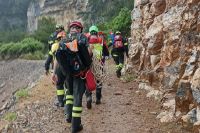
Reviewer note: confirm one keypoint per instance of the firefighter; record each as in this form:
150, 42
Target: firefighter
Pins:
118, 52
60, 76
52, 39
74, 58
100, 51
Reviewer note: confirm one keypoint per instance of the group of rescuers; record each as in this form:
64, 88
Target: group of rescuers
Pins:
72, 55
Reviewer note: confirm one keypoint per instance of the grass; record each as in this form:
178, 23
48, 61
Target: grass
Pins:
128, 77
10, 116
22, 93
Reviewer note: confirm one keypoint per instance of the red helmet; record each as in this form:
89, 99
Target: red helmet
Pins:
77, 23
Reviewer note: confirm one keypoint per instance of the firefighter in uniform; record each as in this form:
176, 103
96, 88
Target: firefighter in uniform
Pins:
100, 51
74, 58
118, 52
60, 76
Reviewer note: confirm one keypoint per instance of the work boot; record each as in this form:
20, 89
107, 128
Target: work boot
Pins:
78, 129
98, 95
76, 125
98, 101
118, 72
68, 113
89, 102
68, 118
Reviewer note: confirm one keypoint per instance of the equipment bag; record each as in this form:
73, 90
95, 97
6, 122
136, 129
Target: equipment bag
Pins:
74, 57
90, 81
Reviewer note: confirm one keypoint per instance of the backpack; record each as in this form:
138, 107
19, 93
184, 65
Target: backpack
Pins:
118, 41
97, 46
73, 56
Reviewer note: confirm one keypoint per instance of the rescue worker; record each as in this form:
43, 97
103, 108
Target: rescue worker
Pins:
52, 39
118, 52
60, 76
100, 50
74, 58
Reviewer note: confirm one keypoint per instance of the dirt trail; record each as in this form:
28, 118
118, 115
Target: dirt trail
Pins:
124, 109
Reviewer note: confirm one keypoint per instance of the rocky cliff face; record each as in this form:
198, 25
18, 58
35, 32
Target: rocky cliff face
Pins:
165, 52
13, 14
63, 11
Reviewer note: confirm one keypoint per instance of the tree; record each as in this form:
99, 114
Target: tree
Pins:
46, 26
123, 21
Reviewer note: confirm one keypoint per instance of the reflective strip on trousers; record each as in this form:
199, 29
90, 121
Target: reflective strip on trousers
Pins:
76, 114
76, 111
60, 92
77, 108
69, 99
68, 102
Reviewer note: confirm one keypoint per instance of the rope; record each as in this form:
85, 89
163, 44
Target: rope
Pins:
99, 70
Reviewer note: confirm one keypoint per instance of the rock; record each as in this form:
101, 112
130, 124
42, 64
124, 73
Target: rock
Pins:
195, 85
166, 116
183, 97
153, 113
117, 93
63, 11
165, 53
158, 7
189, 118
155, 59
190, 67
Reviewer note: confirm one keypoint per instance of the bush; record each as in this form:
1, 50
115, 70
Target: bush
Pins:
26, 46
121, 23
30, 45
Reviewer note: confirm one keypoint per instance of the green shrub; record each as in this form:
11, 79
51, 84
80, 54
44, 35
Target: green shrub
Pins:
10, 116
122, 23
5, 49
27, 46
30, 45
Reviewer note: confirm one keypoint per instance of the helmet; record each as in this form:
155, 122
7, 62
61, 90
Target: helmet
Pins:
62, 27
94, 29
117, 32
58, 26
61, 35
76, 23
